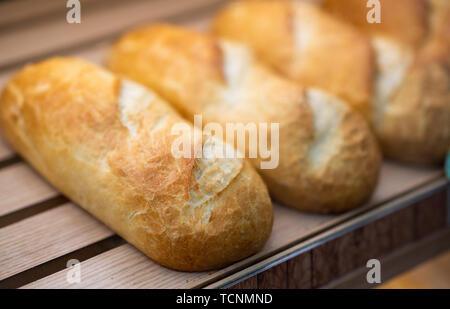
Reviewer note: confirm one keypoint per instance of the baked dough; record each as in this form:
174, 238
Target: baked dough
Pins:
328, 157
105, 142
304, 43
412, 80
398, 69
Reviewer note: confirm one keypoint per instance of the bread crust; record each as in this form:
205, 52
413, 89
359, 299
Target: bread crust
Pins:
413, 120
328, 158
406, 99
106, 144
299, 40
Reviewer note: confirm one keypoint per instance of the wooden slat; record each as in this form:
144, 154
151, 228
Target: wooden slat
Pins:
122, 267
5, 150
46, 236
22, 10
283, 217
25, 43
20, 186
290, 226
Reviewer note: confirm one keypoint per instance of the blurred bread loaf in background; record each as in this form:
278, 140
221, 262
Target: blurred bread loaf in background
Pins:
412, 75
328, 158
396, 73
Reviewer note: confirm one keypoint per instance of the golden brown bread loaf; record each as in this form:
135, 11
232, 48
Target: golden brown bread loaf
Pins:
407, 88
106, 142
412, 80
328, 158
305, 44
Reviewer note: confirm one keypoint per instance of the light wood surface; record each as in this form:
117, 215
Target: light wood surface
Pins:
290, 227
46, 236
23, 10
20, 186
27, 43
122, 267
5, 150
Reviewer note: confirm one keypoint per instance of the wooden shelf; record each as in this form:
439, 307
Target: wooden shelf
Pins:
41, 230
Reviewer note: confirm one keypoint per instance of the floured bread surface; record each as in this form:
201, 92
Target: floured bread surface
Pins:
393, 61
328, 159
106, 143
304, 43
327, 116
343, 155
411, 110
412, 100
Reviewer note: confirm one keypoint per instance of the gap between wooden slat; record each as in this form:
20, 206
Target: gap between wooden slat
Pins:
47, 236
31, 210
60, 263
121, 267
10, 161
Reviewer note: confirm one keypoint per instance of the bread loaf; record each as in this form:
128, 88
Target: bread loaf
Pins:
402, 71
304, 43
328, 158
412, 80
105, 142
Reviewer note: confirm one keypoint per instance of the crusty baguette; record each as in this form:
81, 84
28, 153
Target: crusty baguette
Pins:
412, 100
106, 143
409, 106
328, 158
412, 81
304, 43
